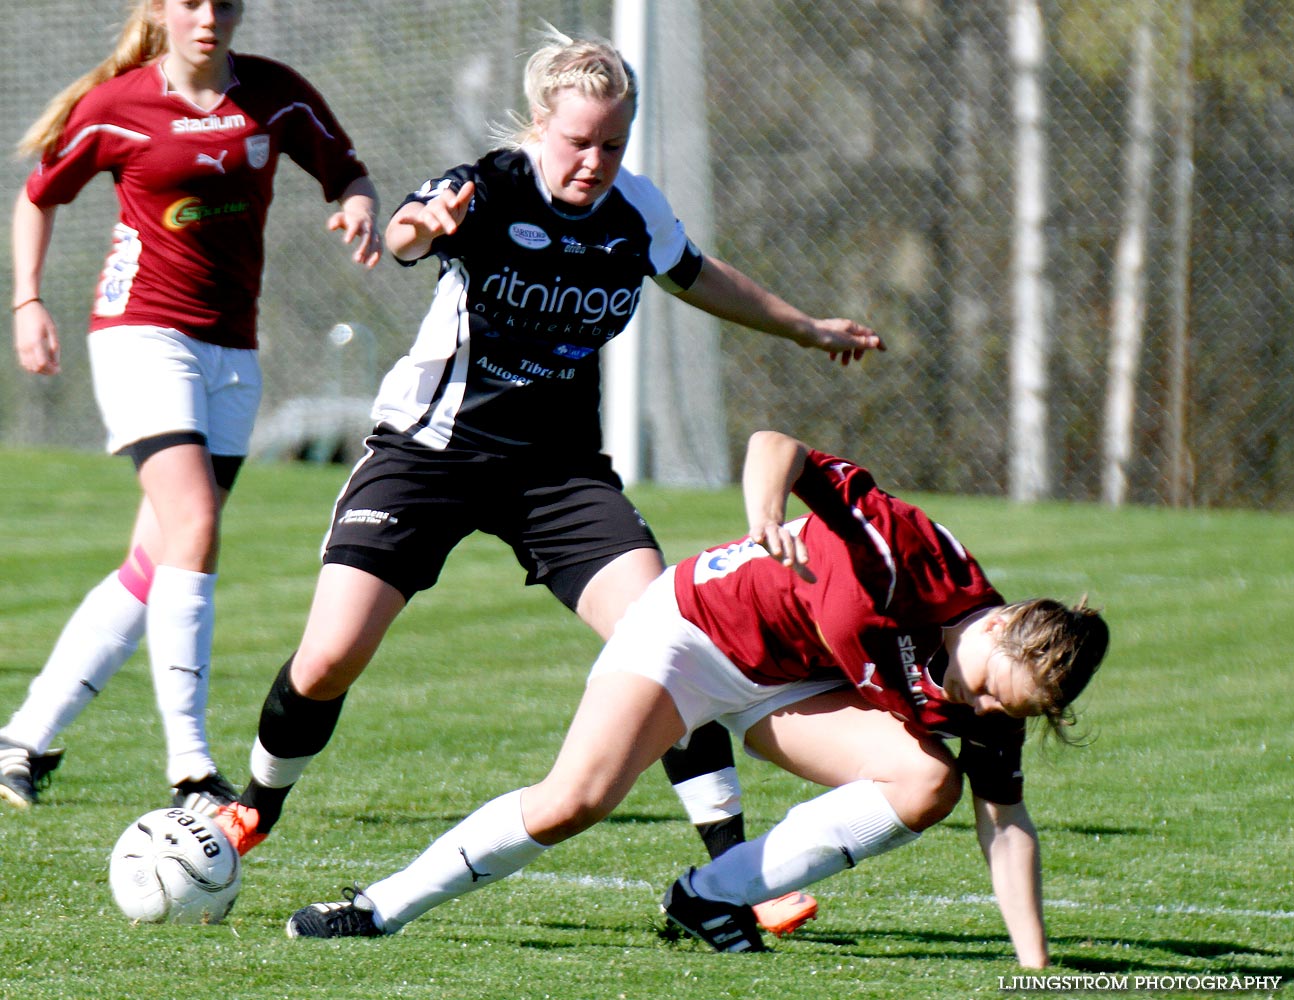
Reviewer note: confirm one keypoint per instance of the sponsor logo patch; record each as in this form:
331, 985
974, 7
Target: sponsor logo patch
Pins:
211, 123
258, 151
364, 515
188, 211
529, 236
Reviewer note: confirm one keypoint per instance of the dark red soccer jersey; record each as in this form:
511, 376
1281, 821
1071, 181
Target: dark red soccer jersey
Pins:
888, 579
194, 188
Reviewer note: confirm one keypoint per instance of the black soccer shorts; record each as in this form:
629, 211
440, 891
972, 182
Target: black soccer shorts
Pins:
406, 506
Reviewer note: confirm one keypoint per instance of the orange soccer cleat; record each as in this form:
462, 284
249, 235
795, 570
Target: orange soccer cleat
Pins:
785, 914
238, 823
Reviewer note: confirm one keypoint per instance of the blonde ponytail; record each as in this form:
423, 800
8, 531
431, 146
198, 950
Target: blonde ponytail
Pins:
142, 39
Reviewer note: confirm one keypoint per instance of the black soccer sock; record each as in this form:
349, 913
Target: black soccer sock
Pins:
291, 725
268, 803
708, 751
722, 835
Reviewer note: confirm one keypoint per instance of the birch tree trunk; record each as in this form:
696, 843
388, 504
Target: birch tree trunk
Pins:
1128, 313
1180, 473
1030, 477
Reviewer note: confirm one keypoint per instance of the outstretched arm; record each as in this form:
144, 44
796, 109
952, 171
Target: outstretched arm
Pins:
723, 291
415, 224
35, 337
774, 462
358, 219
1010, 845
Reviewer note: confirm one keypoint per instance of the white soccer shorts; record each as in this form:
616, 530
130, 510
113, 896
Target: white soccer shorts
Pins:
654, 641
151, 380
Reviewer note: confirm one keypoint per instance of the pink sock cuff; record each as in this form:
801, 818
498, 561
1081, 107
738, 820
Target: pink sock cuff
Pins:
136, 574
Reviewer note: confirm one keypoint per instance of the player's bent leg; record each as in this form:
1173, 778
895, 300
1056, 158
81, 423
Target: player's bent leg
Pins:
351, 613
349, 617
834, 739
622, 726
293, 729
815, 840
485, 847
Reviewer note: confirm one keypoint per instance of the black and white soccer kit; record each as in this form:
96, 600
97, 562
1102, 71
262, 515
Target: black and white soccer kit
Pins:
491, 421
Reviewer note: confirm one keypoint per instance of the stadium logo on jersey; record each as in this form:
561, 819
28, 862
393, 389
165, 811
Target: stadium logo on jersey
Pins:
912, 669
531, 237
212, 123
189, 211
258, 151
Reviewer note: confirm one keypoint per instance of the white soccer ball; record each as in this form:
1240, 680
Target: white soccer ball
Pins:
174, 866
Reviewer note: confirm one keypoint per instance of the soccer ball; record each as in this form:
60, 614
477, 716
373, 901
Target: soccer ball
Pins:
174, 866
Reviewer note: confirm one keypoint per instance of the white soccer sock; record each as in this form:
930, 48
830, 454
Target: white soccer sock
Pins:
817, 838
276, 772
488, 845
709, 798
100, 636
181, 620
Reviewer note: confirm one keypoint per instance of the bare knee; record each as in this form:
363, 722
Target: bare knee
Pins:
925, 791
323, 674
193, 540
936, 787
553, 814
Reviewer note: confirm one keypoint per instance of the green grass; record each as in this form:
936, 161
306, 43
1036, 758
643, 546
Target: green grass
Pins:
1167, 839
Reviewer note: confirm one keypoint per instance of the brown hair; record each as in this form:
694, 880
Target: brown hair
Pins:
1061, 646
142, 38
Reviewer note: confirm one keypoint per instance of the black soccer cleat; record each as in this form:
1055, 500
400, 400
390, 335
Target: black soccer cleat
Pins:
723, 926
43, 765
204, 796
352, 917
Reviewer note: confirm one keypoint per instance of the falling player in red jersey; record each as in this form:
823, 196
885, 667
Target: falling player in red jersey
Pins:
844, 646
191, 134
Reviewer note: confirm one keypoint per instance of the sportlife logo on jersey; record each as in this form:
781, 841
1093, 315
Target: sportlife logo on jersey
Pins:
588, 305
211, 123
189, 211
911, 669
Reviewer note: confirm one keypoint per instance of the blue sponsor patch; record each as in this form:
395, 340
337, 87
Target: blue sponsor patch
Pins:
572, 351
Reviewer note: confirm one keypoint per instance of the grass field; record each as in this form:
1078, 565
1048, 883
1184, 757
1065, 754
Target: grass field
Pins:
1168, 840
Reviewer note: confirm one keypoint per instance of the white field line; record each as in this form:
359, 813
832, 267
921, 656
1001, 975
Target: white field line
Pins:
943, 902
617, 884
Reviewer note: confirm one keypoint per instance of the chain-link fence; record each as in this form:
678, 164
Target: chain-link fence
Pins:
1072, 222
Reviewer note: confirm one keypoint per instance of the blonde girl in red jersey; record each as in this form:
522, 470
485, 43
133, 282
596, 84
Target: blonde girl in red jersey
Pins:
191, 133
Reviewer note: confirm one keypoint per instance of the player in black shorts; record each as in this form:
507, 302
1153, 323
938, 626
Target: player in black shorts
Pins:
491, 421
